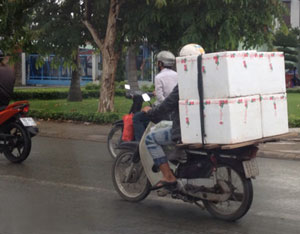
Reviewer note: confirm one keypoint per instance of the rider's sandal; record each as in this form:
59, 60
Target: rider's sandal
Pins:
164, 184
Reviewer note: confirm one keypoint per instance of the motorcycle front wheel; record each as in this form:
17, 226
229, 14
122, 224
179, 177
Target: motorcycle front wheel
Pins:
241, 195
19, 145
129, 178
113, 140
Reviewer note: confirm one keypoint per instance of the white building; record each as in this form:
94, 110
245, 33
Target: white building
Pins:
293, 19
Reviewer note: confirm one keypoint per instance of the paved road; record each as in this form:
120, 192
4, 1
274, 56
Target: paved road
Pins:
65, 187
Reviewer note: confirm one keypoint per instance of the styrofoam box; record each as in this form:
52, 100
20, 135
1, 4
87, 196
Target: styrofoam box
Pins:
274, 114
227, 121
271, 72
231, 74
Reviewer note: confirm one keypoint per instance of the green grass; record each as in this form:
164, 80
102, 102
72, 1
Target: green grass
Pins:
90, 105
294, 105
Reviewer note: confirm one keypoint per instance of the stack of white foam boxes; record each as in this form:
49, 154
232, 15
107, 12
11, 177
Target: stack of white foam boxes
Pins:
244, 96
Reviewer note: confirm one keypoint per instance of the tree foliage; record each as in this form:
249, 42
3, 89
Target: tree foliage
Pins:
288, 43
14, 30
215, 24
59, 31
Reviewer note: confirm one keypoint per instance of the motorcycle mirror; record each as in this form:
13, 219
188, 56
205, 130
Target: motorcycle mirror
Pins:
146, 97
127, 86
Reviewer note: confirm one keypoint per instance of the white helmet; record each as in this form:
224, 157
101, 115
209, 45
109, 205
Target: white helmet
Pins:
166, 57
191, 49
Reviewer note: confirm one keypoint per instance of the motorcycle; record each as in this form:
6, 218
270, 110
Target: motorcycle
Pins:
16, 131
214, 179
114, 138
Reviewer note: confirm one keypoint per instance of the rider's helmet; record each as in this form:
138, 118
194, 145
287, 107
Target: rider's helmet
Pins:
167, 58
191, 49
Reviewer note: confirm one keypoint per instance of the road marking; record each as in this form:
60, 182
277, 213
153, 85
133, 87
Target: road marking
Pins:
51, 183
152, 196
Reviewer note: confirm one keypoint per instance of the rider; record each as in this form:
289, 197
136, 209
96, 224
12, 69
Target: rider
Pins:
169, 135
7, 80
165, 81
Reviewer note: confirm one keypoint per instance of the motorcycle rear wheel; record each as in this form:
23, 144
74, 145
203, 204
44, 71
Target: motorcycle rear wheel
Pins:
114, 139
240, 200
20, 145
129, 178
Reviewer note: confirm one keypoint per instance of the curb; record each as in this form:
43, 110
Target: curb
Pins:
277, 155
95, 138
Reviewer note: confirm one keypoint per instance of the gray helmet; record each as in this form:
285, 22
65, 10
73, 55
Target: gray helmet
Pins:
166, 57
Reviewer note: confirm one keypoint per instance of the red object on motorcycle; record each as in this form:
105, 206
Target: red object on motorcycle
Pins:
13, 109
26, 109
128, 133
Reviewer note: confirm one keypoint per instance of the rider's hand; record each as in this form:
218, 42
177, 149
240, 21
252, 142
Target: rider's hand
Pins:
146, 109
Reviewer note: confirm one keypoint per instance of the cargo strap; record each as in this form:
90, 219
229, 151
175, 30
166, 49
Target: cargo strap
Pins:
201, 97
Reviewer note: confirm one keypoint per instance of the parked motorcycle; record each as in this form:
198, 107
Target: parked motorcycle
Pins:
215, 179
16, 131
114, 137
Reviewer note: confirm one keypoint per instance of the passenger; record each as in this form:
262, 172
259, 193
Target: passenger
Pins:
165, 81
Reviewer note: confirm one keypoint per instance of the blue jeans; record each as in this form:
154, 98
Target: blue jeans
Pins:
154, 141
140, 123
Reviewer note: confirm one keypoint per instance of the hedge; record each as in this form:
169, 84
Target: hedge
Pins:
100, 118
50, 94
294, 122
293, 90
104, 118
45, 94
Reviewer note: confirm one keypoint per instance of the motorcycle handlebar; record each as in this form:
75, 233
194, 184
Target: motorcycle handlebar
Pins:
132, 94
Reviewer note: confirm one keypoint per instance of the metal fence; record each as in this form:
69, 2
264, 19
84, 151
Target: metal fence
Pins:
48, 75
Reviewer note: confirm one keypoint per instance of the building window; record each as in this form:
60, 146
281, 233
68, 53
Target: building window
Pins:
287, 18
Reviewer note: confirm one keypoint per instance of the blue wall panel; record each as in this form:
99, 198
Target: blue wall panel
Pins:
48, 75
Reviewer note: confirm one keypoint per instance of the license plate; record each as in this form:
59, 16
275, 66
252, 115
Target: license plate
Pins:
251, 168
28, 121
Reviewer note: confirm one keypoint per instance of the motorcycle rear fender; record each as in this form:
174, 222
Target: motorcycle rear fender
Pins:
236, 164
32, 131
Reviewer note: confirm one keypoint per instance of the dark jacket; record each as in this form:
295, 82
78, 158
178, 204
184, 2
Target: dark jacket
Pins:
7, 81
168, 106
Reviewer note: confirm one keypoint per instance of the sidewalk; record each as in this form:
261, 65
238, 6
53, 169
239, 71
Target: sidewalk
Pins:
286, 149
71, 130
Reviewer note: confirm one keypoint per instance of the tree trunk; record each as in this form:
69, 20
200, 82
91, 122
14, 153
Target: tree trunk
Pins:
132, 69
18, 70
75, 94
110, 56
107, 91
